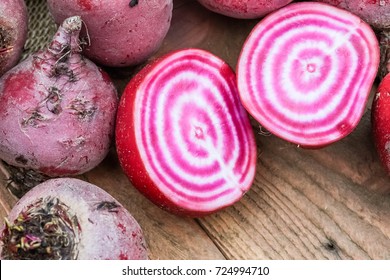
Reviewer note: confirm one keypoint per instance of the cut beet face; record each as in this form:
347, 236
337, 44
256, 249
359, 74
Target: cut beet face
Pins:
305, 72
183, 137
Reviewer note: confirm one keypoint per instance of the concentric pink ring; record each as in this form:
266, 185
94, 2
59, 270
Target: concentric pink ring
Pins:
305, 72
193, 133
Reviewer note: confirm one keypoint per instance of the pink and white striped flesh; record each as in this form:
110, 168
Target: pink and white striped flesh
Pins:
305, 72
183, 137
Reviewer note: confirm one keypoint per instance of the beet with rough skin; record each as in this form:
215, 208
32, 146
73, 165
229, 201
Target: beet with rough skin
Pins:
70, 219
13, 32
57, 109
121, 32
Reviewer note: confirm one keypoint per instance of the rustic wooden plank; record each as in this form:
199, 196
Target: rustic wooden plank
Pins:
331, 203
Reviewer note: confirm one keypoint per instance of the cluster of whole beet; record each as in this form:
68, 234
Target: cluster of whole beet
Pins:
305, 73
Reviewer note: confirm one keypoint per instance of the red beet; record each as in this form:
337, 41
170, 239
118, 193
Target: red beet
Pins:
306, 71
183, 137
13, 32
121, 32
70, 219
57, 109
380, 116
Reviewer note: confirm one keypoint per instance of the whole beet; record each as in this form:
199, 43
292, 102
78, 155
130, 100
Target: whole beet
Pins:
13, 32
121, 32
57, 109
68, 218
380, 117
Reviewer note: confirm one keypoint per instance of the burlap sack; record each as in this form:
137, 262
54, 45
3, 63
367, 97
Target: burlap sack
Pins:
41, 27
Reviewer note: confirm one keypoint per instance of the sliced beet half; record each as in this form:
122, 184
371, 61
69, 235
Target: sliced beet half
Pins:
183, 137
305, 72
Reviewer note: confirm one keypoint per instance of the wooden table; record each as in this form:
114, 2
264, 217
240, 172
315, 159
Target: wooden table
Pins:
331, 203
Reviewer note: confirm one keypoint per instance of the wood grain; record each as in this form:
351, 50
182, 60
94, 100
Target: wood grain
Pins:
330, 203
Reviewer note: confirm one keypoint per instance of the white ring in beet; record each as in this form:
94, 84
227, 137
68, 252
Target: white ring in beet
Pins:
183, 137
305, 72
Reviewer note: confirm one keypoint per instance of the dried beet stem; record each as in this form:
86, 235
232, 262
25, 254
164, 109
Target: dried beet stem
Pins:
66, 40
45, 230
